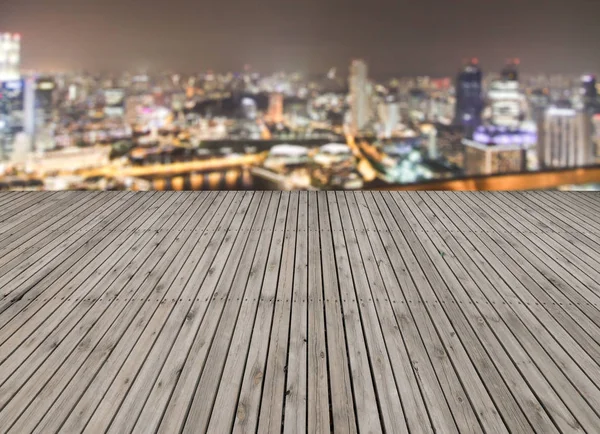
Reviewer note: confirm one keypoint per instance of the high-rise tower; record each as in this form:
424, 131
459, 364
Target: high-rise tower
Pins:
359, 94
469, 100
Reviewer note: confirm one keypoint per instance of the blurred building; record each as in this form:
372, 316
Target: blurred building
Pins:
507, 103
469, 100
500, 149
114, 102
276, 107
45, 90
359, 94
589, 94
389, 115
11, 114
10, 56
565, 138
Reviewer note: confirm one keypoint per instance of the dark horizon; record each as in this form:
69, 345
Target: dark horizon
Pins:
429, 38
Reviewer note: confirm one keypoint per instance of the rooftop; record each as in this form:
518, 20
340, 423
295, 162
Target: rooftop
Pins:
302, 312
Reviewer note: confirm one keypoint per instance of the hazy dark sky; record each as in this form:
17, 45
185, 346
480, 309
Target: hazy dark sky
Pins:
394, 36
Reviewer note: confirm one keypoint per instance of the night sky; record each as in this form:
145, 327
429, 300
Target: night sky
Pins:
394, 36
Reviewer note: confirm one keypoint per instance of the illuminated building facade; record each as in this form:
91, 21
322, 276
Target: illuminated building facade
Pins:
389, 115
469, 101
12, 120
359, 94
589, 94
10, 56
566, 140
276, 108
499, 149
114, 102
507, 103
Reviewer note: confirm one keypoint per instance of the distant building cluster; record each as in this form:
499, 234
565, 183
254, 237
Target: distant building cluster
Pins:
294, 130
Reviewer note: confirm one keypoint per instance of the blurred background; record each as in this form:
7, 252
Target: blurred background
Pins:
69, 121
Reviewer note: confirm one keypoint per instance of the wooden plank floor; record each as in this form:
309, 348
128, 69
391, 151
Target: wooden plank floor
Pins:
412, 312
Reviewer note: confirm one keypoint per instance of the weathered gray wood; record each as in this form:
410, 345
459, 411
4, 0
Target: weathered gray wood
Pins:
296, 394
382, 284
180, 373
299, 312
465, 296
510, 290
224, 410
79, 398
540, 290
367, 412
245, 290
342, 407
391, 411
56, 283
104, 329
267, 407
211, 213
198, 288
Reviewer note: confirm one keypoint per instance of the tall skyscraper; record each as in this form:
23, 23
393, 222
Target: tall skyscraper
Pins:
566, 140
389, 115
589, 94
29, 119
359, 94
507, 103
469, 100
276, 107
10, 56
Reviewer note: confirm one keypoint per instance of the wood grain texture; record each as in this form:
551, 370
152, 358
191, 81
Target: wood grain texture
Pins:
294, 312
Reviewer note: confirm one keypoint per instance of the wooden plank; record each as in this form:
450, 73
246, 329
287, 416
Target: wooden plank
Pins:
342, 399
544, 292
318, 379
158, 335
589, 199
242, 300
574, 241
489, 395
8, 197
267, 409
65, 342
463, 294
9, 201
512, 290
365, 401
27, 206
79, 400
224, 410
576, 200
296, 393
489, 316
448, 404
223, 253
31, 239
373, 253
568, 206
175, 386
559, 211
388, 397
57, 322
54, 220
43, 260
561, 258
56, 283
104, 336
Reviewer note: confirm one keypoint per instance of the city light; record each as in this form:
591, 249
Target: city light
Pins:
290, 130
